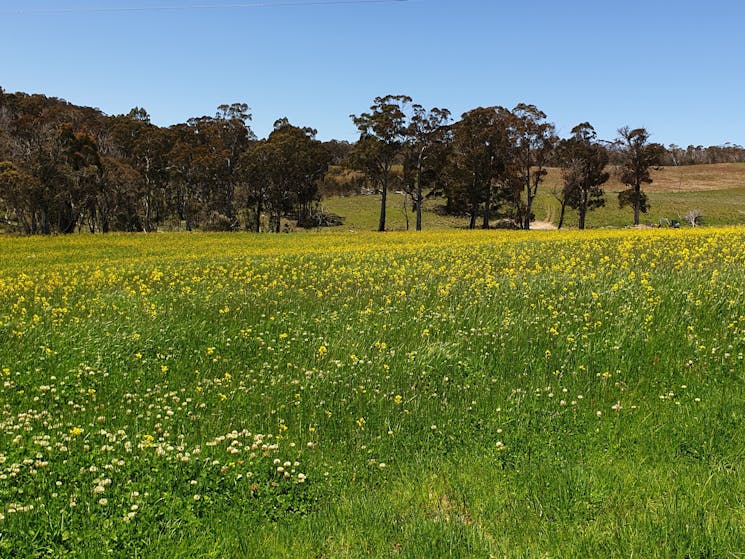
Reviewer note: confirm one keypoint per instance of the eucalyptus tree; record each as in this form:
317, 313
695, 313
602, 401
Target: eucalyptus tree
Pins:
583, 161
428, 136
18, 192
235, 135
534, 140
120, 202
298, 161
84, 189
280, 174
145, 147
40, 132
479, 162
255, 167
191, 173
382, 133
210, 172
638, 156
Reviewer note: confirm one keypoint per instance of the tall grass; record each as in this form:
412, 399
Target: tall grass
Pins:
719, 208
459, 394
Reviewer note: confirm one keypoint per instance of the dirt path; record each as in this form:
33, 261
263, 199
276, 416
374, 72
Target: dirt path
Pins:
542, 225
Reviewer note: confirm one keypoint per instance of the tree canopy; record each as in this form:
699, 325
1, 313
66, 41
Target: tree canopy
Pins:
584, 162
637, 158
64, 168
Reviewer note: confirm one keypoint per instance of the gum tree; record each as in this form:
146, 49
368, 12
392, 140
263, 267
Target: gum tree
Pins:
583, 162
427, 139
382, 133
638, 157
535, 139
480, 162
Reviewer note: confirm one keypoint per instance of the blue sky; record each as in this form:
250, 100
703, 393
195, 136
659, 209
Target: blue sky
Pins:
677, 68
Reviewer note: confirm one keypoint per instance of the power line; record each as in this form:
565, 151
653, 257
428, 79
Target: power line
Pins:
221, 6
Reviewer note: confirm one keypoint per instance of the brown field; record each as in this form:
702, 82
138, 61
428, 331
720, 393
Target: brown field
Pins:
687, 178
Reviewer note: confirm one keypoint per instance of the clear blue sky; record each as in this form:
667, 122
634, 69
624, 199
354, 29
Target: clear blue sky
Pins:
677, 68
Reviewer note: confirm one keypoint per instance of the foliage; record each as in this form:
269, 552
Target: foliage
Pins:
341, 181
499, 158
75, 167
697, 155
583, 170
534, 141
425, 151
382, 133
637, 157
281, 174
68, 168
479, 180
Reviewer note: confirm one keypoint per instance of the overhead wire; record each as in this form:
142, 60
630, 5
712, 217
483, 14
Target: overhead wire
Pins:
184, 7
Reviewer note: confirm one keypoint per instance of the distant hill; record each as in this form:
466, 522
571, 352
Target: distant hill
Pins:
684, 178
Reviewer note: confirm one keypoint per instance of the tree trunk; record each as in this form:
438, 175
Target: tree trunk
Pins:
529, 195
148, 212
528, 208
259, 209
637, 203
582, 208
418, 204
229, 194
68, 218
472, 218
21, 219
418, 201
44, 226
383, 199
561, 215
406, 211
148, 193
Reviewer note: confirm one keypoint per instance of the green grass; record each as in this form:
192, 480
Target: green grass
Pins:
720, 207
448, 394
716, 190
362, 213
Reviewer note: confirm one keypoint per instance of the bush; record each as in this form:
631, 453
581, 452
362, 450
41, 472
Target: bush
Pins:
320, 219
694, 217
216, 221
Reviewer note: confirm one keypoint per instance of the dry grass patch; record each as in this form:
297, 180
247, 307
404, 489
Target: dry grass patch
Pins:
686, 178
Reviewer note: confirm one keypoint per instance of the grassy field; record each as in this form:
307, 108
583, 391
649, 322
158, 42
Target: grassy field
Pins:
447, 394
716, 190
686, 178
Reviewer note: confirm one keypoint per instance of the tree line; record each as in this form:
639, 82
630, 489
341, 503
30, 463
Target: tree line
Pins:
64, 168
